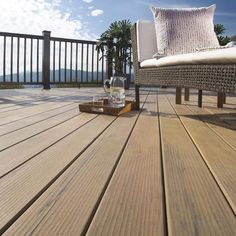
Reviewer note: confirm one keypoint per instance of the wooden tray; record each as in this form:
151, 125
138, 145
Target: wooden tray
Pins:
106, 108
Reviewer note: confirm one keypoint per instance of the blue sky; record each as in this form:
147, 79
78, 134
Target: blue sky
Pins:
140, 9
87, 19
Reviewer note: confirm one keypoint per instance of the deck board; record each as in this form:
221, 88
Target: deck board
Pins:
20, 124
219, 156
148, 173
69, 203
15, 115
18, 136
138, 190
27, 149
22, 185
189, 185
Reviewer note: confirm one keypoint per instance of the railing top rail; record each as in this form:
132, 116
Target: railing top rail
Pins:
73, 40
8, 34
31, 36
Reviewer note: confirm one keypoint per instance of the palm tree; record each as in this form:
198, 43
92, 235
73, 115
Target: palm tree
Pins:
220, 30
116, 40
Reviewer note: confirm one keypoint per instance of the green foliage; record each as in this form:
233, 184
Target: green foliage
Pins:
115, 42
220, 30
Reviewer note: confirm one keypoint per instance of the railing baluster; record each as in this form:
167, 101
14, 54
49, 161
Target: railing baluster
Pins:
24, 60
125, 67
130, 54
102, 66
29, 56
59, 62
92, 61
87, 61
54, 61
37, 60
11, 59
97, 65
18, 59
31, 60
76, 63
4, 59
65, 72
71, 62
82, 58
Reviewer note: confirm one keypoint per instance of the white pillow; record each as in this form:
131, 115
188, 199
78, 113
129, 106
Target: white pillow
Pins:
146, 39
181, 31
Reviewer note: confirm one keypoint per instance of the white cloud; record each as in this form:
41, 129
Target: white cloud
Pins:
34, 16
56, 2
87, 1
90, 7
96, 12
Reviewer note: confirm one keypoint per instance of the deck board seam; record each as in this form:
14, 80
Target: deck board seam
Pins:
96, 207
218, 134
162, 171
45, 130
47, 186
25, 103
48, 147
44, 119
216, 115
35, 114
204, 160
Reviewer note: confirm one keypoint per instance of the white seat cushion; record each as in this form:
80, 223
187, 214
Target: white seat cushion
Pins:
146, 39
219, 56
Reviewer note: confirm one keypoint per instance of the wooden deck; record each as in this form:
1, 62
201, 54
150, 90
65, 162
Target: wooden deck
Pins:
167, 170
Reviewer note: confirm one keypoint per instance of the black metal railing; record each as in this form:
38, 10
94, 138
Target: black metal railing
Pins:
45, 60
16, 61
80, 57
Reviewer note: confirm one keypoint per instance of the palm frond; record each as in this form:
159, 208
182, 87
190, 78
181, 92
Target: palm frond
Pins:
118, 34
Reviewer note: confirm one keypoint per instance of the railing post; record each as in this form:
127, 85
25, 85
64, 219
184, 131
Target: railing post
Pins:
46, 59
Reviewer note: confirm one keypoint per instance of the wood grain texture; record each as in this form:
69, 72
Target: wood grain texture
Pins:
133, 202
53, 101
18, 136
219, 156
217, 123
75, 183
20, 153
19, 98
13, 126
221, 121
68, 204
28, 111
19, 187
20, 116
17, 105
195, 203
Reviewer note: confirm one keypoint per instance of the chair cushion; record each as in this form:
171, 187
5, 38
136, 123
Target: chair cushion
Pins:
181, 31
220, 56
146, 39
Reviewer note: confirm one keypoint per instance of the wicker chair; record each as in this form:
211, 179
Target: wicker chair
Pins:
211, 77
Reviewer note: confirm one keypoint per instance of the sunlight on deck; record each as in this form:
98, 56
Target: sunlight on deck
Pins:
166, 169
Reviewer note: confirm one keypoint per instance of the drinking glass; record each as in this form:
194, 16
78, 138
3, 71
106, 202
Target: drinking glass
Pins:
116, 92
